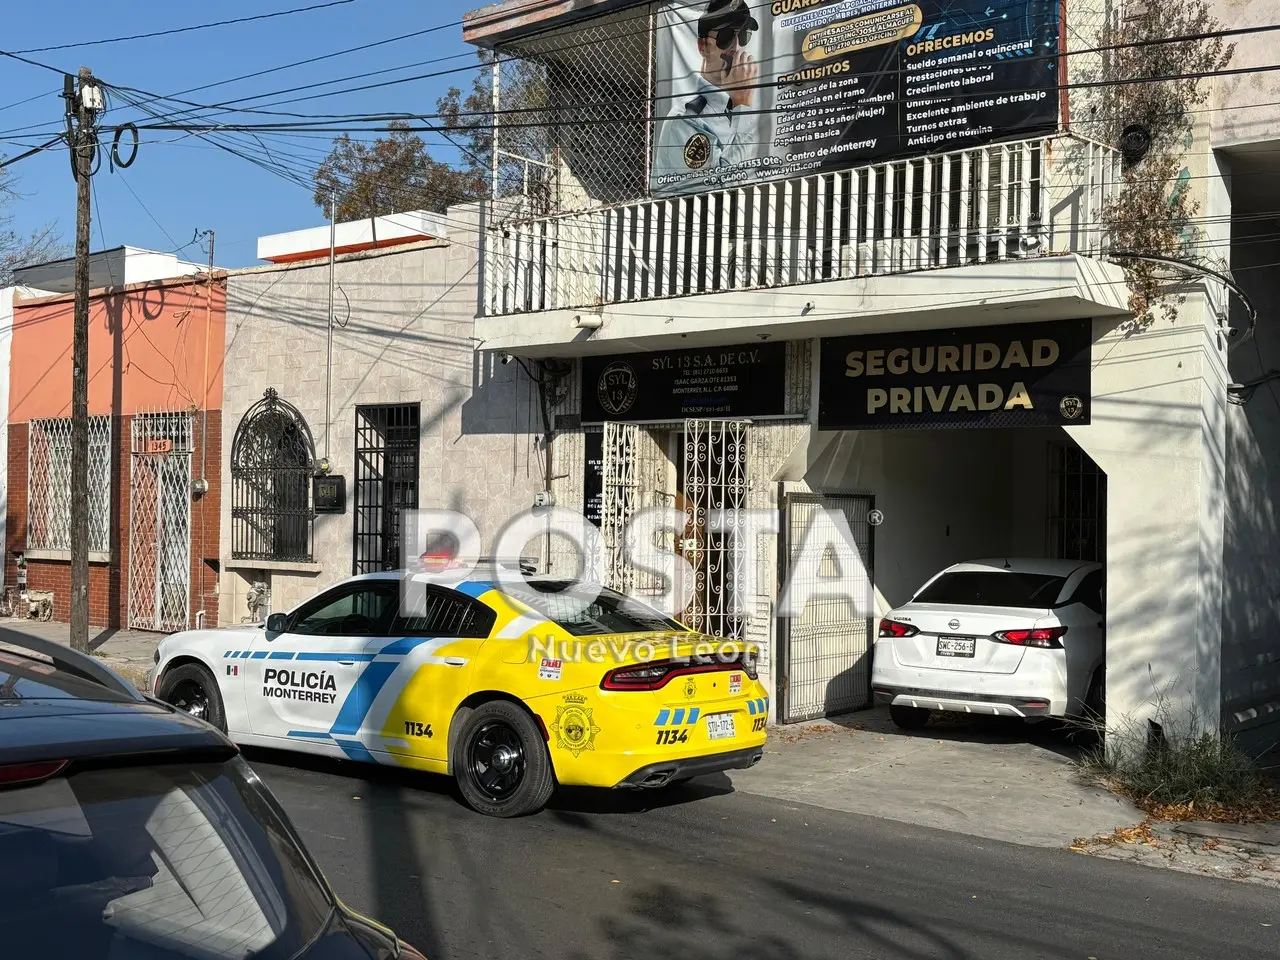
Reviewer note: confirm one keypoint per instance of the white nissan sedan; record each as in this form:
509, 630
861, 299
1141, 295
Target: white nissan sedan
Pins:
1005, 637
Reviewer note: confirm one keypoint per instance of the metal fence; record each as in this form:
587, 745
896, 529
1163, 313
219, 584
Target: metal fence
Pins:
49, 484
573, 105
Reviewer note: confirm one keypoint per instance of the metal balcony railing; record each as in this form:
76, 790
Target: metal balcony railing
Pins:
998, 202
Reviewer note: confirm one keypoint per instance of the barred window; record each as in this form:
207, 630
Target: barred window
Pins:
49, 485
272, 462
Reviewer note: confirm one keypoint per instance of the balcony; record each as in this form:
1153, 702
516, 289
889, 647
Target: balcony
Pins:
1023, 201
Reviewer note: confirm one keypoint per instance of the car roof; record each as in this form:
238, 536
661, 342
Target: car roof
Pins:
56, 703
1052, 568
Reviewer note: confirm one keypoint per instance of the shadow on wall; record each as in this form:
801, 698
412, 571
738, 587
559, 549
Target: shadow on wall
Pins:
1251, 583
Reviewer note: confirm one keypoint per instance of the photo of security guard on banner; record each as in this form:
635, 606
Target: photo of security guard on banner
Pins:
708, 130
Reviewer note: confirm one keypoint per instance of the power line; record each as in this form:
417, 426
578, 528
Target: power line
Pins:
198, 26
30, 62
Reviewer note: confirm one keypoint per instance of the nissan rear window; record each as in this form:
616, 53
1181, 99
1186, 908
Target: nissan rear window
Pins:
162, 861
991, 589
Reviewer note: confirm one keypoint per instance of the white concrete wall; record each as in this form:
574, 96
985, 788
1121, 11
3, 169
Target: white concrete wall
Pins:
946, 496
408, 338
1157, 431
1246, 107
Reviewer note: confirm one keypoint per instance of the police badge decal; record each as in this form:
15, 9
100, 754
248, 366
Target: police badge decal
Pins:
697, 151
574, 727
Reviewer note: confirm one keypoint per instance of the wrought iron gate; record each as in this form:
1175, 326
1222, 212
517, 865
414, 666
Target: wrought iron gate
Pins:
633, 479
713, 478
160, 521
619, 501
825, 666
387, 441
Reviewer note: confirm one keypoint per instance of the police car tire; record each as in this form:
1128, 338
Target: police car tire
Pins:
196, 675
538, 784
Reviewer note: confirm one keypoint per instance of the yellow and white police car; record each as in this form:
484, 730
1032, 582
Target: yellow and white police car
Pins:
512, 690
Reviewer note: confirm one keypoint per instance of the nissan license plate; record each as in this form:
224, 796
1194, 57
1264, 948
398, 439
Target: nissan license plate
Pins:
955, 646
720, 726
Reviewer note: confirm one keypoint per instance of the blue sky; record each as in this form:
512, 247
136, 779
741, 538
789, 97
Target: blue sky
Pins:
190, 185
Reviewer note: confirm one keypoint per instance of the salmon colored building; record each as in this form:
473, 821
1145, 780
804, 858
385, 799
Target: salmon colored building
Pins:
155, 431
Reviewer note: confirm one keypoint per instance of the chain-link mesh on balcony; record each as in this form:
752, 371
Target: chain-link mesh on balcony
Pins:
573, 116
49, 484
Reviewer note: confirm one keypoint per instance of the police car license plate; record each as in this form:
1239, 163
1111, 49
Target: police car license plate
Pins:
720, 726
955, 646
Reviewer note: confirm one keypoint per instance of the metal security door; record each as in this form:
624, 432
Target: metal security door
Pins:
621, 497
160, 521
387, 441
713, 478
826, 651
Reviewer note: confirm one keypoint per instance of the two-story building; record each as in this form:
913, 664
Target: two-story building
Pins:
854, 256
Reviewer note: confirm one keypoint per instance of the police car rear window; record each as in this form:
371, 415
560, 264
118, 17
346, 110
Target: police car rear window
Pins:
164, 861
566, 604
991, 589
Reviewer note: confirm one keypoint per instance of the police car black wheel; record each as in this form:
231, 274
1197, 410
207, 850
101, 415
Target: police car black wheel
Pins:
908, 718
192, 688
501, 762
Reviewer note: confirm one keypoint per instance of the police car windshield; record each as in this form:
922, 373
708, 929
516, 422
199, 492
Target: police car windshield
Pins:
167, 861
587, 610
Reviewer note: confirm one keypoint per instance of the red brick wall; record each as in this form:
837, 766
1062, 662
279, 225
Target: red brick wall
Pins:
109, 582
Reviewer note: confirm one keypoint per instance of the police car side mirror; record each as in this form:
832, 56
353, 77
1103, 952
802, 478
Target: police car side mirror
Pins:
277, 623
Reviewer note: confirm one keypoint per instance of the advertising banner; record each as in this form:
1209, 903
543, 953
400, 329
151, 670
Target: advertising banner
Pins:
706, 382
1012, 375
750, 90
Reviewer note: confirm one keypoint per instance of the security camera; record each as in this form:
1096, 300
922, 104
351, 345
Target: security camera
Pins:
507, 358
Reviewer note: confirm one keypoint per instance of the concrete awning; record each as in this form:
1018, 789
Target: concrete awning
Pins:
1011, 291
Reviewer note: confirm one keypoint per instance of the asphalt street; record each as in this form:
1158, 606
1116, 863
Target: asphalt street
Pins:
702, 873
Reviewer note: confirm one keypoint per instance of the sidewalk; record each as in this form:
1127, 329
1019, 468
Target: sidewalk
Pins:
984, 777
128, 652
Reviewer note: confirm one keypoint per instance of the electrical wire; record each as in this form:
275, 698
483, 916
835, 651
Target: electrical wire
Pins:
198, 26
897, 72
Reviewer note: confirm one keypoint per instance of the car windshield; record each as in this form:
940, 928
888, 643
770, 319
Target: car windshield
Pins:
974, 588
166, 862
571, 605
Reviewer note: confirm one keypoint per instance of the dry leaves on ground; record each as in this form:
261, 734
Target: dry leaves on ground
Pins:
1142, 833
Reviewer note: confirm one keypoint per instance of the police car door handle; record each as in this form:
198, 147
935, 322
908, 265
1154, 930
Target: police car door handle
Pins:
455, 661
347, 663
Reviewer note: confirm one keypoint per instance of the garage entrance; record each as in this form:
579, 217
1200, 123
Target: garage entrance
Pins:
825, 653
944, 496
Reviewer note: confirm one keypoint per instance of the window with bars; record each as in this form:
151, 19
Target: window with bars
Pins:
272, 462
1077, 506
49, 484
387, 439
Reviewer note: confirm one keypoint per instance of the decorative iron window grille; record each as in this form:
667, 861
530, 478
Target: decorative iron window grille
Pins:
49, 485
1077, 506
272, 463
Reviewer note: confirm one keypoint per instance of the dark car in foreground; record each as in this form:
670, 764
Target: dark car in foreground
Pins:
130, 830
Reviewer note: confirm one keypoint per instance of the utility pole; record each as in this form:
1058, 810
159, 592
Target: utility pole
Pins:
204, 431
87, 101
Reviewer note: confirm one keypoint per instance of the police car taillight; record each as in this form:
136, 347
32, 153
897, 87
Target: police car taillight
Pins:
649, 676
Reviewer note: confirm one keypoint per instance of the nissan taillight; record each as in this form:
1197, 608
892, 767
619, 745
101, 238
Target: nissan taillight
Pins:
897, 629
1046, 637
